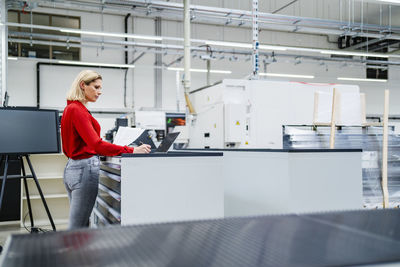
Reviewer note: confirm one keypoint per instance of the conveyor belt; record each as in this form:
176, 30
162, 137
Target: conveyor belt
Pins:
324, 239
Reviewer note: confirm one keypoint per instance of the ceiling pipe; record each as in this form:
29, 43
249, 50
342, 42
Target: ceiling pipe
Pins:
178, 50
134, 36
266, 17
267, 21
138, 8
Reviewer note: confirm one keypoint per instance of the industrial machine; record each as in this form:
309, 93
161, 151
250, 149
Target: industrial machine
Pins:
250, 113
118, 122
161, 123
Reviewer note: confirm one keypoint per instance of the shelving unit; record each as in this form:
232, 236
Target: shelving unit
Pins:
107, 209
49, 170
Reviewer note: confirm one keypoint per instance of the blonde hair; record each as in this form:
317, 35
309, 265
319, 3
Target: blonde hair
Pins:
75, 92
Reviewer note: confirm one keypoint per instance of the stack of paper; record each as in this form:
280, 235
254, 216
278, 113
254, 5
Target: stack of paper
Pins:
350, 108
126, 135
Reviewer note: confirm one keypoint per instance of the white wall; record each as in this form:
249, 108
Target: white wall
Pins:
140, 83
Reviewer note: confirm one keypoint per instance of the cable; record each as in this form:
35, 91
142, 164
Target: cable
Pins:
23, 222
34, 229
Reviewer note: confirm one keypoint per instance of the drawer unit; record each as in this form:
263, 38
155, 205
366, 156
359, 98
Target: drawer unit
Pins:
111, 181
107, 211
99, 219
153, 188
113, 199
111, 167
108, 203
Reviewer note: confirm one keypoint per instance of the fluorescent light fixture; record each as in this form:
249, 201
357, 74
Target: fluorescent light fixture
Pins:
272, 47
110, 34
229, 44
95, 64
390, 1
361, 80
303, 49
201, 70
245, 45
350, 53
287, 75
12, 58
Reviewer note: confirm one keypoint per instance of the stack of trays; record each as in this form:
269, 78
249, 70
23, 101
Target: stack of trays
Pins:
369, 139
108, 203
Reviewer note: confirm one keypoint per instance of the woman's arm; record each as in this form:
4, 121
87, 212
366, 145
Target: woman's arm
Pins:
84, 127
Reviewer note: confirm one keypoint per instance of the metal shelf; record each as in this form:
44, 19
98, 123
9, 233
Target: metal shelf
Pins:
32, 197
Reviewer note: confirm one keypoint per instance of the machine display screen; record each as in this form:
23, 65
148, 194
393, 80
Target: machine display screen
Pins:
29, 131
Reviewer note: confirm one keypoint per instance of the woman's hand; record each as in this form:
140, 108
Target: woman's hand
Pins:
144, 149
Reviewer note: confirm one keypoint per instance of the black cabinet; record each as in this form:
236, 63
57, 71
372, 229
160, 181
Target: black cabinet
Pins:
11, 206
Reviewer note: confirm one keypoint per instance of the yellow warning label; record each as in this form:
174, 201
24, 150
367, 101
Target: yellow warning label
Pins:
215, 125
246, 142
237, 123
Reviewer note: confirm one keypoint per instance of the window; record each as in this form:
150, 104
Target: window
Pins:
40, 43
377, 71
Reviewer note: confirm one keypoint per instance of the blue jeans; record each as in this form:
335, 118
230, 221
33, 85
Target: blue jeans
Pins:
81, 179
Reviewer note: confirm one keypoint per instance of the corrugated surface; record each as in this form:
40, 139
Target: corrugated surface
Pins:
330, 239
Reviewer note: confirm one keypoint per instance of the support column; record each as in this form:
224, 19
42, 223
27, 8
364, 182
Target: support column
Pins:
3, 50
255, 57
208, 72
178, 85
158, 68
186, 36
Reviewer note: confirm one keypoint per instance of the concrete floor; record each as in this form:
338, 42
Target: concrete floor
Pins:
8, 229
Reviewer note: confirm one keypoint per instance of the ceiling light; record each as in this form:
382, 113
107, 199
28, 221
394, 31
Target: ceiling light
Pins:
361, 80
201, 70
287, 75
303, 49
110, 34
350, 53
95, 64
272, 47
390, 1
12, 58
230, 44
245, 45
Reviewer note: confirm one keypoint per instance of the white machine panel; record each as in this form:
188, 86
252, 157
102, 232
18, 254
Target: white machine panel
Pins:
209, 129
264, 106
235, 122
150, 120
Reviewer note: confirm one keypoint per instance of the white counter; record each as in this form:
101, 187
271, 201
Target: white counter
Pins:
171, 187
271, 181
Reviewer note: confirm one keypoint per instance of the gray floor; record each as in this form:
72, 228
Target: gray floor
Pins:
9, 229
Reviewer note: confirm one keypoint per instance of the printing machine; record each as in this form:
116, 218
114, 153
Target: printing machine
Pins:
250, 113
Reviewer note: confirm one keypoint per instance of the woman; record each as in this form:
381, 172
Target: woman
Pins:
80, 134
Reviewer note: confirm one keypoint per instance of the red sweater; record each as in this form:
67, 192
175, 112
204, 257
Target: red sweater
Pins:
80, 134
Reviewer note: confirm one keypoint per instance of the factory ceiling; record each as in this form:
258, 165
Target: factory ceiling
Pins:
351, 35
